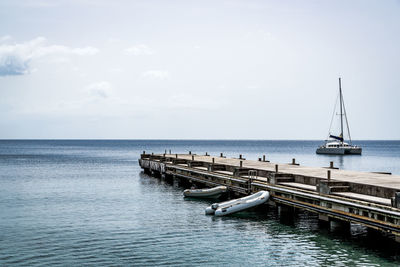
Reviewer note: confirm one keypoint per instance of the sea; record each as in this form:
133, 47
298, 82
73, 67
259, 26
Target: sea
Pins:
88, 203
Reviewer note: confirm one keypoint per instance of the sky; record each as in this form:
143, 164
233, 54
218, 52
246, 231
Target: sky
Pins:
233, 69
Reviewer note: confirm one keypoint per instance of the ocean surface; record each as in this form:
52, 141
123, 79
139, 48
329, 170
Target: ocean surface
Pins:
87, 202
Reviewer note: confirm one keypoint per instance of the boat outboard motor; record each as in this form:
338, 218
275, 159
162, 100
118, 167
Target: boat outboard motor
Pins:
214, 206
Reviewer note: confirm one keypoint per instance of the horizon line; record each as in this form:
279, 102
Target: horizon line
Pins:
170, 139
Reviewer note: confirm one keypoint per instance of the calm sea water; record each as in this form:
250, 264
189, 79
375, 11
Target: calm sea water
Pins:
88, 203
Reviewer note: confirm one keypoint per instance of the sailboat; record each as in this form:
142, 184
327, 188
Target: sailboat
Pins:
335, 144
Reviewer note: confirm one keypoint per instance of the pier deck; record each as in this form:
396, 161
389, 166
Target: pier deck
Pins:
370, 199
368, 178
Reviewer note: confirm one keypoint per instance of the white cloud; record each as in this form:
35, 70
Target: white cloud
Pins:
157, 74
15, 59
139, 50
5, 38
101, 89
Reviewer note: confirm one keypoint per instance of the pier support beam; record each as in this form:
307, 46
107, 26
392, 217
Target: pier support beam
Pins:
323, 187
285, 211
323, 218
338, 225
396, 200
176, 181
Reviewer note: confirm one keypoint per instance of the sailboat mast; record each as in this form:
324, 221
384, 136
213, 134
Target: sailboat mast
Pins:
341, 111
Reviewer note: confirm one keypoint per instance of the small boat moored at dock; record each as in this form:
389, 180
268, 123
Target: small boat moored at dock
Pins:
214, 192
236, 205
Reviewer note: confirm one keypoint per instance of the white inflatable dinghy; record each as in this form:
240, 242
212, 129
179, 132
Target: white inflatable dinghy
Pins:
236, 205
214, 192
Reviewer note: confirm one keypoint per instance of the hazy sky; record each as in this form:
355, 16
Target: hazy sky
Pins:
198, 69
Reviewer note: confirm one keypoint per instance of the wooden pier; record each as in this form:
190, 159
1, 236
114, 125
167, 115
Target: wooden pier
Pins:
369, 199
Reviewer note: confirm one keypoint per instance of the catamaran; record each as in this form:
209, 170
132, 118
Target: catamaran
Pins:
335, 144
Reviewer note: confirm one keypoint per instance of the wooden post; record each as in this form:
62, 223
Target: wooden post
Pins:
331, 165
165, 152
222, 155
294, 161
192, 157
259, 159
176, 156
240, 156
276, 168
396, 200
144, 152
170, 151
152, 153
190, 152
206, 154
263, 157
329, 175
213, 160
241, 164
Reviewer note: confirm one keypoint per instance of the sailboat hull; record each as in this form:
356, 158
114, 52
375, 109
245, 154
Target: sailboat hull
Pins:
339, 150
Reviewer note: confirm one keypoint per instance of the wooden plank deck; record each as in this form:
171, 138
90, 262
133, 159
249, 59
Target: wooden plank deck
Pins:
368, 178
